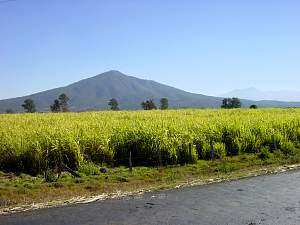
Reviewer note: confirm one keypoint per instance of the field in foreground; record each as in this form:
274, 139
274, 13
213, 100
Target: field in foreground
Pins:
34, 143
213, 142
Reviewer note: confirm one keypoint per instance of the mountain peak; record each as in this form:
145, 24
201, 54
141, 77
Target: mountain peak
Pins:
112, 73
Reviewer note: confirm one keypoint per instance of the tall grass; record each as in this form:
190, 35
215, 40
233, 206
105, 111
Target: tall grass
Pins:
31, 143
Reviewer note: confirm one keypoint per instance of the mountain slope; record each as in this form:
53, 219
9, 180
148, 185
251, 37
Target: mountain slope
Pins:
94, 93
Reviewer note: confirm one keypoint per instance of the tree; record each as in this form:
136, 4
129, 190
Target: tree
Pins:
148, 105
56, 106
164, 103
253, 106
230, 103
29, 106
236, 103
63, 102
114, 105
226, 103
9, 111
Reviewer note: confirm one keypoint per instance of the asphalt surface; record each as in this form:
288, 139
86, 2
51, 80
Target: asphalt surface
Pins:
273, 199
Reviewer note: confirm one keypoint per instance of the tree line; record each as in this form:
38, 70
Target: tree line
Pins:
146, 105
232, 103
61, 104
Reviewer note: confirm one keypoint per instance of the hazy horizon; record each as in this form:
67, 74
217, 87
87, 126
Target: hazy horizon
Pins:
201, 47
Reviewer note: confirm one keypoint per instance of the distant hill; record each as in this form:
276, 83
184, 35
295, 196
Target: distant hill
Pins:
256, 94
94, 93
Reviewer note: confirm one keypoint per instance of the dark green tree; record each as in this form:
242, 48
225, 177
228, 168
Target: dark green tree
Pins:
148, 105
29, 106
226, 103
164, 103
144, 105
230, 103
114, 105
63, 102
56, 106
236, 103
253, 107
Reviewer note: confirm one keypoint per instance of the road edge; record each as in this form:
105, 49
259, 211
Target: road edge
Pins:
119, 194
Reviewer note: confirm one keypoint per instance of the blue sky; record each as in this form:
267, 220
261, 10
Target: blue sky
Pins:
207, 47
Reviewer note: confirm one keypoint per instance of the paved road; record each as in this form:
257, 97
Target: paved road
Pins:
271, 200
